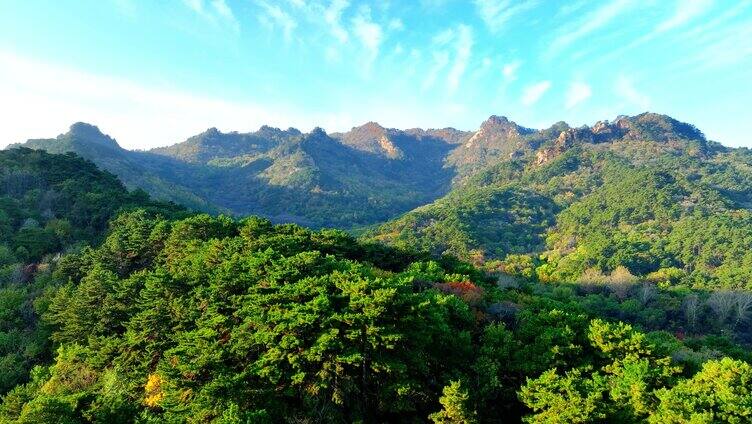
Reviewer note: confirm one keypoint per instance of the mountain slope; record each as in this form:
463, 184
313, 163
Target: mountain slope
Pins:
159, 176
512, 189
318, 181
213, 145
640, 193
367, 175
49, 204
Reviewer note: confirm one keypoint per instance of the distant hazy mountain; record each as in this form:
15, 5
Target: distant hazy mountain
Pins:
367, 175
159, 176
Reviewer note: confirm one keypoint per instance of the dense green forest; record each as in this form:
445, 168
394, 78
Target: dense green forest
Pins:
49, 205
658, 200
572, 275
214, 320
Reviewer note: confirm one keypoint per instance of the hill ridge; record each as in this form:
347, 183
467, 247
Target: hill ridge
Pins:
364, 176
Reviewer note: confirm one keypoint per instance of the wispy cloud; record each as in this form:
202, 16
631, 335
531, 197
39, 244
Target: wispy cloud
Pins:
534, 92
453, 45
702, 36
439, 63
369, 33
578, 92
41, 99
729, 47
588, 24
396, 24
333, 16
125, 7
625, 88
686, 10
496, 13
463, 48
510, 70
571, 7
709, 27
274, 16
725, 40
195, 5
215, 11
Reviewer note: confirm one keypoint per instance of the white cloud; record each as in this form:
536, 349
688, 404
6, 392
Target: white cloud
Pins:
333, 15
510, 70
368, 32
712, 26
625, 89
215, 11
396, 24
223, 10
590, 23
440, 61
463, 49
730, 47
571, 8
195, 5
686, 10
444, 37
39, 99
453, 45
578, 92
534, 92
496, 13
724, 41
276, 17
332, 54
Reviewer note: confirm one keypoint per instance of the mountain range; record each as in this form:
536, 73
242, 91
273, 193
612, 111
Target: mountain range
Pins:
634, 192
364, 176
367, 175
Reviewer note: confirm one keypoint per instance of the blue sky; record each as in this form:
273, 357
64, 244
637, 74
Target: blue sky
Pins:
155, 72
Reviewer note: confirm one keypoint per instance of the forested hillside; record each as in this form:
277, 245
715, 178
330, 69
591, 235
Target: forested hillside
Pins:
368, 175
517, 189
49, 205
214, 320
171, 317
158, 176
647, 194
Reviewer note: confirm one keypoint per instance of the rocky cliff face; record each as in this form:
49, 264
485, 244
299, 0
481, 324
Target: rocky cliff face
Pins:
645, 127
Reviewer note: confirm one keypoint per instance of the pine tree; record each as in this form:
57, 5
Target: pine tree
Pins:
456, 409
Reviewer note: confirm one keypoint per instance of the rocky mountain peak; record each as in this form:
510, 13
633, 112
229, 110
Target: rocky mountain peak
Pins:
317, 132
371, 125
90, 133
495, 129
369, 129
499, 123
209, 136
372, 137
501, 126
